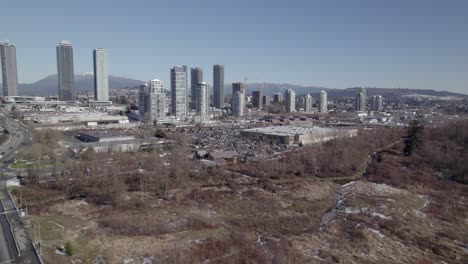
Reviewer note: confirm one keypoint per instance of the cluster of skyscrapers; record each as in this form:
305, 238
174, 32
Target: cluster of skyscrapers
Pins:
199, 100
376, 102
65, 71
66, 74
152, 97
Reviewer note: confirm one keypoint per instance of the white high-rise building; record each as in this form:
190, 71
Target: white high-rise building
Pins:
361, 100
290, 96
179, 92
238, 104
202, 105
323, 102
308, 104
152, 101
101, 75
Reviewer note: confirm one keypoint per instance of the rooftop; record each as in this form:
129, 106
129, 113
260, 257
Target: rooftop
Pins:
290, 130
104, 134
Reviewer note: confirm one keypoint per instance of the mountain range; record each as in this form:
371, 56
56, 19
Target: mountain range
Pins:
390, 93
85, 82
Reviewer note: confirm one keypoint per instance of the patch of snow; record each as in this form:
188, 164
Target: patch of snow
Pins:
376, 232
148, 260
387, 188
426, 203
380, 215
350, 210
348, 187
259, 241
198, 240
128, 260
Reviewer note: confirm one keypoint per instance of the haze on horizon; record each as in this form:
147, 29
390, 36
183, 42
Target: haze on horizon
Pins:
337, 44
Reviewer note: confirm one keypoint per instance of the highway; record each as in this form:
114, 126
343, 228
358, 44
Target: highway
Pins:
10, 251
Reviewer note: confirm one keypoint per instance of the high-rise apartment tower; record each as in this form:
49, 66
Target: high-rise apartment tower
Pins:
9, 69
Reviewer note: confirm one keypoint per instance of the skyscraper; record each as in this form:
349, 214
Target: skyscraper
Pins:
202, 103
179, 91
277, 98
257, 99
308, 104
361, 99
238, 103
152, 101
143, 100
238, 87
266, 100
376, 103
218, 86
196, 77
290, 96
65, 73
101, 75
323, 102
9, 69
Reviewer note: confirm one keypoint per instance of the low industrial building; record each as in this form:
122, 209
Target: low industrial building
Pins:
87, 118
219, 157
289, 135
103, 136
136, 144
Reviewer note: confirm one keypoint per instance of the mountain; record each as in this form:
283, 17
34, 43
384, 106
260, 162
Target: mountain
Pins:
83, 82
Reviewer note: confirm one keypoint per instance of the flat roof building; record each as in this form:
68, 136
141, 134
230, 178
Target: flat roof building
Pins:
103, 136
289, 135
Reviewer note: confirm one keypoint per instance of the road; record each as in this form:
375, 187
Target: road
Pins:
11, 251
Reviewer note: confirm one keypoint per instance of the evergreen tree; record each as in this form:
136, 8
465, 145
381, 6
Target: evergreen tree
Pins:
414, 138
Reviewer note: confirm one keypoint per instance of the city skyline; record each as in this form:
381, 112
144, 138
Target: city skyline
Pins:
405, 45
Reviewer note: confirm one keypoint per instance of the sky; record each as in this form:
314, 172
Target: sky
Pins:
420, 44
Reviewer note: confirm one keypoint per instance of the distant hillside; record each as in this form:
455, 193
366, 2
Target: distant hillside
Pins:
389, 93
394, 93
272, 88
83, 82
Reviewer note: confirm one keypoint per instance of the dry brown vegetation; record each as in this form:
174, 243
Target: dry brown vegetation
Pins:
336, 158
44, 145
171, 208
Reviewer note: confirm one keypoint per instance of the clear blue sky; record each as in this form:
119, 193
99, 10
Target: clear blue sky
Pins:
336, 44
